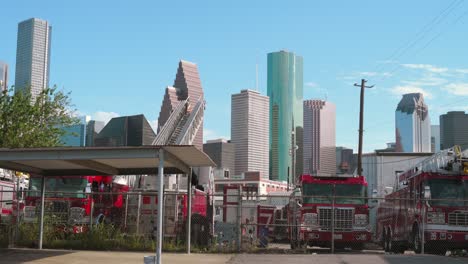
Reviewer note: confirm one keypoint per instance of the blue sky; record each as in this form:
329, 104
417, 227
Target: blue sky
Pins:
116, 57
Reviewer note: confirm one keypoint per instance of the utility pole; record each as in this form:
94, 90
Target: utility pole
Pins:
361, 121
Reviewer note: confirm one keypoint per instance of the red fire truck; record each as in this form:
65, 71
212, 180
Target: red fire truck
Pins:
7, 196
429, 206
68, 201
343, 198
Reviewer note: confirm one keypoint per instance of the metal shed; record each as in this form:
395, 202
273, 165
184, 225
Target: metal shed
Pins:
81, 161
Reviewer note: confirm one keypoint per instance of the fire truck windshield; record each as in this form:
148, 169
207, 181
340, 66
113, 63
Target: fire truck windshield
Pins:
72, 187
345, 193
454, 191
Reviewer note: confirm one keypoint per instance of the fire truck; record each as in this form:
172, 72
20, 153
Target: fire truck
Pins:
7, 196
321, 199
143, 211
69, 200
428, 207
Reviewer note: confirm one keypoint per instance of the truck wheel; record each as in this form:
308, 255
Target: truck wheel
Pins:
417, 244
293, 244
387, 241
384, 240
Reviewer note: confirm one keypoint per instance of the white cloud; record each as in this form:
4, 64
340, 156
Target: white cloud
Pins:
462, 71
209, 134
104, 116
427, 67
368, 73
404, 89
426, 81
311, 84
457, 88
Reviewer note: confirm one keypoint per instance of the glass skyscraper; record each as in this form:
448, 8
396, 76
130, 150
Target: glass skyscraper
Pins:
413, 126
285, 90
3, 76
32, 56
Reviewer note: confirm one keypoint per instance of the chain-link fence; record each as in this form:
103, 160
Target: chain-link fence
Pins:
237, 221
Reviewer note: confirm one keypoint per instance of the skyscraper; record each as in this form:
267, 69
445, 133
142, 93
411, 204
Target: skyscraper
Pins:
186, 84
93, 128
249, 132
319, 138
76, 134
454, 130
126, 131
222, 152
435, 138
412, 123
3, 76
33, 56
285, 89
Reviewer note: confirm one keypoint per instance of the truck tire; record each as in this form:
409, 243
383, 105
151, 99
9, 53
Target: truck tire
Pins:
417, 244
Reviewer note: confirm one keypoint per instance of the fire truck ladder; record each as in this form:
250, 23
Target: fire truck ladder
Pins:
448, 161
182, 125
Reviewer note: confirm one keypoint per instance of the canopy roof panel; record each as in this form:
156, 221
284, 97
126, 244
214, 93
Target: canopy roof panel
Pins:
73, 161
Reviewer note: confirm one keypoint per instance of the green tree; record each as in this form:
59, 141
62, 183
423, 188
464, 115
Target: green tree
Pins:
25, 123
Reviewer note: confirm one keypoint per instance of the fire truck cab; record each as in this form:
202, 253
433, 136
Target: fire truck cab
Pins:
341, 198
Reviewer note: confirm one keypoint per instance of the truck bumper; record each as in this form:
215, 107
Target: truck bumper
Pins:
446, 239
323, 238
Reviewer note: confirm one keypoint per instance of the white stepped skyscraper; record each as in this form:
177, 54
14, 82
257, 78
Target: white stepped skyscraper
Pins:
249, 131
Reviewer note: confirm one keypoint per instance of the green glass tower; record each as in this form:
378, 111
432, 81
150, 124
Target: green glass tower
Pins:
285, 89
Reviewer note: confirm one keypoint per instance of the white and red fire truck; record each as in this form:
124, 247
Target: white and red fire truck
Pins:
429, 206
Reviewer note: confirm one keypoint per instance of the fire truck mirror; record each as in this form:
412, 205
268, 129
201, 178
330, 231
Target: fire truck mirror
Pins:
427, 192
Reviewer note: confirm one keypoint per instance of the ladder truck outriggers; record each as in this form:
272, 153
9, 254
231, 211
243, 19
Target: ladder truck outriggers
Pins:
428, 209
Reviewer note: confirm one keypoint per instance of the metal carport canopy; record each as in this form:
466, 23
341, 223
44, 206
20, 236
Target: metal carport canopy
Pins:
75, 161
82, 161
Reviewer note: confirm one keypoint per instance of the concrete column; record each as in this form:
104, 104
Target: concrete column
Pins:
160, 206
41, 217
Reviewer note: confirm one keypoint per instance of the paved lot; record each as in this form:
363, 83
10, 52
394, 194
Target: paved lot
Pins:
85, 257
82, 257
343, 259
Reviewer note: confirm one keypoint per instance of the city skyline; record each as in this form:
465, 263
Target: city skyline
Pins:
137, 65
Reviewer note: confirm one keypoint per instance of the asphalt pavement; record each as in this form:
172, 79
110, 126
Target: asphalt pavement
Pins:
15, 256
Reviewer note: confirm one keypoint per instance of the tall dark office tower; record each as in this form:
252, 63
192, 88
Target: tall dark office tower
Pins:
413, 126
222, 153
454, 130
33, 56
186, 84
126, 131
285, 88
93, 128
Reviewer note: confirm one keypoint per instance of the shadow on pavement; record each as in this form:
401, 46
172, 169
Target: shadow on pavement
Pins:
13, 256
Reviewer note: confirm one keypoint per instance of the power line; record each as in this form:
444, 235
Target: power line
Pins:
399, 66
402, 50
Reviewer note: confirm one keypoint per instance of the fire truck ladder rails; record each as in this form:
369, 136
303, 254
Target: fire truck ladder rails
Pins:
448, 161
166, 132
